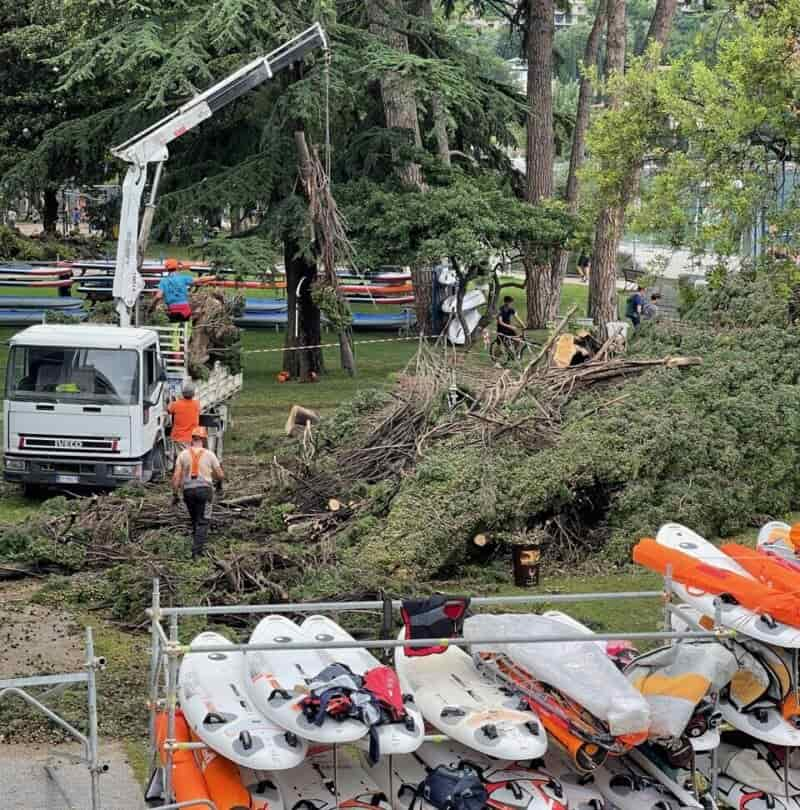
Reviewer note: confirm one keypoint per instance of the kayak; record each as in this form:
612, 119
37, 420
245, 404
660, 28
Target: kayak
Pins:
188, 783
377, 290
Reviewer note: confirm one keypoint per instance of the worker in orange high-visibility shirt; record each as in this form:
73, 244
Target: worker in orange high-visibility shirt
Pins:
196, 472
185, 413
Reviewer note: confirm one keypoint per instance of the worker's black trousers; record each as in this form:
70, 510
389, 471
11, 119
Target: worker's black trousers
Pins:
199, 501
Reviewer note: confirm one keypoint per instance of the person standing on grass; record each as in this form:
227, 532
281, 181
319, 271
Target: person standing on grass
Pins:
634, 306
197, 471
583, 267
650, 309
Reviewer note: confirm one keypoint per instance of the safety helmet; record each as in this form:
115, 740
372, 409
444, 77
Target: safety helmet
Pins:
171, 264
199, 432
188, 389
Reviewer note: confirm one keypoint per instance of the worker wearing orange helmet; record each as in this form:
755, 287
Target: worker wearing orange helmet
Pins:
197, 471
173, 289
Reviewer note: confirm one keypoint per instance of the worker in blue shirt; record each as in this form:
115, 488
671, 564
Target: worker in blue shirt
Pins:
173, 289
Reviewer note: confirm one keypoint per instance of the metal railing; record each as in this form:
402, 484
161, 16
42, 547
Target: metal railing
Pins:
18, 687
166, 648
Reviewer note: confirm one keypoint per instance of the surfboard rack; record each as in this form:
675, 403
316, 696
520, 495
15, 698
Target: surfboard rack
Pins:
19, 687
167, 650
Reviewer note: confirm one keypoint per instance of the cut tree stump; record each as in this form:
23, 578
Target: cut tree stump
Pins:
299, 418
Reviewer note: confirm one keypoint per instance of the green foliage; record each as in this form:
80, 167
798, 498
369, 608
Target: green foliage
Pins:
332, 306
347, 419
730, 100
247, 256
468, 219
711, 446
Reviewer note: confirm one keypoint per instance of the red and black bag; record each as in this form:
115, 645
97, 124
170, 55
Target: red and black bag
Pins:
439, 616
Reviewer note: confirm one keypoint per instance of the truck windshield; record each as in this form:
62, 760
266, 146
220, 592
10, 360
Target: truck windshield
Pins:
64, 374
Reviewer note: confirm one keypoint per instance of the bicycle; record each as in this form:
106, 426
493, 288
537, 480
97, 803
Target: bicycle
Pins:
508, 348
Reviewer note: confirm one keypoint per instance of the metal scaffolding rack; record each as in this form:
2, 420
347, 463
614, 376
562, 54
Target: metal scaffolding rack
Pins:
18, 687
166, 647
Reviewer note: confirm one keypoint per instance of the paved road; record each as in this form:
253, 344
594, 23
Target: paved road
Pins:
24, 784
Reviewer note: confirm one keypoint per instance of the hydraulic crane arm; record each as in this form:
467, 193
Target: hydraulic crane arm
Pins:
150, 146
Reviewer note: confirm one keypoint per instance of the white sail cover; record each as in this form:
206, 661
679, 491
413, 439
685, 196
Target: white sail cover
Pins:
582, 671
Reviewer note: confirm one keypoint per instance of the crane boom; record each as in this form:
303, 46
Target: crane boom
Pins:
150, 146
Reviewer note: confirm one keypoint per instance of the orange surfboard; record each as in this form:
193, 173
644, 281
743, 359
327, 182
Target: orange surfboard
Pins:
766, 568
694, 573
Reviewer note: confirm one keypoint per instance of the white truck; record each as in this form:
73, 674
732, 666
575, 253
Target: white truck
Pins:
86, 405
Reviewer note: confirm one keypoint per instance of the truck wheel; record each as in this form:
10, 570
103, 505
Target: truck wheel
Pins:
158, 463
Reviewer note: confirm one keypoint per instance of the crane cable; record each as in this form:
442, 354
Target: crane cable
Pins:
327, 87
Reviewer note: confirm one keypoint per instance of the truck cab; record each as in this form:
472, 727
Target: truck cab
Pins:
84, 405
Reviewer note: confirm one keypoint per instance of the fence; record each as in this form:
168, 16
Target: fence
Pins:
18, 687
166, 647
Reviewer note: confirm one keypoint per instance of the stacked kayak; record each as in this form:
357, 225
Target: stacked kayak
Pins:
261, 312
17, 310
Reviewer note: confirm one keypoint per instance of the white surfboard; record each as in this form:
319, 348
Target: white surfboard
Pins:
628, 788
394, 738
472, 300
455, 698
758, 768
745, 797
774, 537
764, 723
277, 682
685, 798
316, 784
579, 789
213, 698
262, 789
531, 790
536, 789
455, 334
736, 617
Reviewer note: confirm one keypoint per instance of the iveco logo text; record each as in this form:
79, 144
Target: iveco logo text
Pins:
69, 444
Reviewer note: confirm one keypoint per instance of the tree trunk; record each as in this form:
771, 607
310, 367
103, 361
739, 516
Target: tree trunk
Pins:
400, 112
397, 91
578, 153
422, 281
539, 147
50, 210
301, 363
438, 108
539, 293
322, 240
661, 23
610, 221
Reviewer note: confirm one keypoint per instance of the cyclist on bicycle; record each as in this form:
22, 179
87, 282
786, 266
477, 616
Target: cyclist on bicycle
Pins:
506, 317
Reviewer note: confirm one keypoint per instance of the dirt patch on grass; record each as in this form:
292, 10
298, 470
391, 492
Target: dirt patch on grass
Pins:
36, 639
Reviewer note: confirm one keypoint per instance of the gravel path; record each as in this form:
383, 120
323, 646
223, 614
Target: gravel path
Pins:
26, 786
